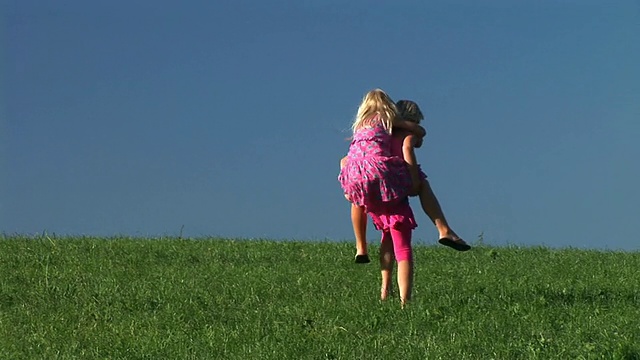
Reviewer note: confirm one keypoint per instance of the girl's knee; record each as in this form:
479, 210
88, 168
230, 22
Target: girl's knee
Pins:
404, 254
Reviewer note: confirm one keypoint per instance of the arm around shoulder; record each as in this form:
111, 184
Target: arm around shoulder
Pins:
412, 127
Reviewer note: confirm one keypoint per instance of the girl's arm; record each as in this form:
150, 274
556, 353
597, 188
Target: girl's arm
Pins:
409, 156
411, 127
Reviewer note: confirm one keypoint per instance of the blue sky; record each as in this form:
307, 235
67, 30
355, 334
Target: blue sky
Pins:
229, 117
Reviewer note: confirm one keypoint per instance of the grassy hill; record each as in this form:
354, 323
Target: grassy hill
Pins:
122, 298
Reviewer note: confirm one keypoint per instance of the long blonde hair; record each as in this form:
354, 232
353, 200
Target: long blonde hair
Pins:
376, 102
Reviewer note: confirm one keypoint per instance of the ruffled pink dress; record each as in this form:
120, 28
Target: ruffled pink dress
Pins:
378, 180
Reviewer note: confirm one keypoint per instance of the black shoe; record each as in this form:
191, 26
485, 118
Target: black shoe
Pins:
459, 244
362, 259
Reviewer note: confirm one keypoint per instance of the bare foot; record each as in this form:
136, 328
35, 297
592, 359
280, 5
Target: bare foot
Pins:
384, 293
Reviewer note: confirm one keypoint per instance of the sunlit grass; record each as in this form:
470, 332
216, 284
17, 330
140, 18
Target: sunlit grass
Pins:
123, 298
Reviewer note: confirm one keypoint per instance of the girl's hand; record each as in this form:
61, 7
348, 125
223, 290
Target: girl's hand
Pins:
421, 132
343, 162
412, 127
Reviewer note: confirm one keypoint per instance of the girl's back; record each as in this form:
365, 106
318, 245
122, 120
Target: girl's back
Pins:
373, 175
368, 142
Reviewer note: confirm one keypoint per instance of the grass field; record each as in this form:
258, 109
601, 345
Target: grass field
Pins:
121, 298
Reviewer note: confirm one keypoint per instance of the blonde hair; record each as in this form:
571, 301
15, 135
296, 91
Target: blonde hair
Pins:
376, 108
410, 111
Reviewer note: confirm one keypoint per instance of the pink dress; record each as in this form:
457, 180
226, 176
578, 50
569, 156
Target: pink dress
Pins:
376, 176
372, 176
399, 216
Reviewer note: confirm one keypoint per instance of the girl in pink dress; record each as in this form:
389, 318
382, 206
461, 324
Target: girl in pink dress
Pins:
409, 111
374, 179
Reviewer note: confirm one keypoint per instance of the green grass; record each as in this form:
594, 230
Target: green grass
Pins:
122, 298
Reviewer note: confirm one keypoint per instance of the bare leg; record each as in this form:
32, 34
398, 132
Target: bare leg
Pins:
386, 265
432, 208
359, 222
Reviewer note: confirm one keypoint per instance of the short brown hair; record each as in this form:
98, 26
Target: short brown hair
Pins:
409, 110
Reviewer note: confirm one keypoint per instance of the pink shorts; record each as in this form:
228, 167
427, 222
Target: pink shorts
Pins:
396, 221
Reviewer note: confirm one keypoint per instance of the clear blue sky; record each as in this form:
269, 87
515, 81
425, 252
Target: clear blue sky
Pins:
229, 117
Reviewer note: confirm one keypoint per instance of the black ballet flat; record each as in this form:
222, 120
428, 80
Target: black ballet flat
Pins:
362, 259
